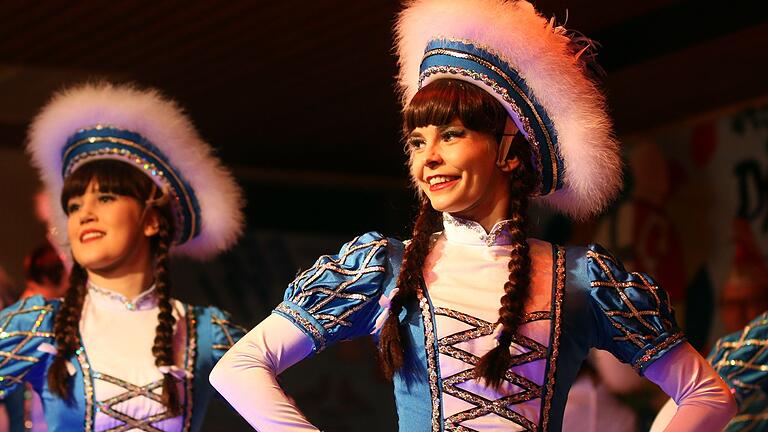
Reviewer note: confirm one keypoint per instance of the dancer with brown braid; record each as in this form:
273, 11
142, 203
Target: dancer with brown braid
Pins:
130, 196
498, 107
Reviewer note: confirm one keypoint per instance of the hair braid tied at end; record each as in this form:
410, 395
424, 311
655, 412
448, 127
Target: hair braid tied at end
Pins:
493, 366
66, 329
163, 346
393, 341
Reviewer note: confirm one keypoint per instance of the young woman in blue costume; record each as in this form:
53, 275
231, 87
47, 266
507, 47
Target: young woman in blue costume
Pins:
498, 109
133, 183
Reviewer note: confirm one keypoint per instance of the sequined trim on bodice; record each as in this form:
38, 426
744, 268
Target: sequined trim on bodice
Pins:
145, 300
470, 232
110, 407
520, 389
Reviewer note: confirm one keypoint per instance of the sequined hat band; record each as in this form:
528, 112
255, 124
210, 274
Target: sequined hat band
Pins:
537, 70
106, 142
450, 58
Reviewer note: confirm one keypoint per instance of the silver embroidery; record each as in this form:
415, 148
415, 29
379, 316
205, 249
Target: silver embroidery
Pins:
483, 406
304, 281
190, 359
226, 326
498, 236
305, 324
502, 91
432, 360
554, 348
147, 297
637, 315
108, 406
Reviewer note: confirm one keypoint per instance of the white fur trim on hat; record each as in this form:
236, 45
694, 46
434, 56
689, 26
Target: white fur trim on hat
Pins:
162, 122
540, 53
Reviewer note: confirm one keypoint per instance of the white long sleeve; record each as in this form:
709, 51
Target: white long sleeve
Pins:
704, 400
247, 375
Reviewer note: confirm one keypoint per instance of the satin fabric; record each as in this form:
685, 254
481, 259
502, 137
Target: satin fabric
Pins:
26, 330
339, 299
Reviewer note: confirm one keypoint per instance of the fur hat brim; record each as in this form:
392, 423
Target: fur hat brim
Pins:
542, 55
162, 122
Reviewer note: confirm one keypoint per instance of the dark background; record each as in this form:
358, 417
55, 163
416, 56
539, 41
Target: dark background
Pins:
298, 95
298, 98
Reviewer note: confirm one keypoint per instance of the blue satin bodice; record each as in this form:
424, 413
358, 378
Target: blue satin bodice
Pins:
595, 303
27, 348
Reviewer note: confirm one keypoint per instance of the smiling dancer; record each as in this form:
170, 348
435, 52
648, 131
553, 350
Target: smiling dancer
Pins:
133, 183
480, 327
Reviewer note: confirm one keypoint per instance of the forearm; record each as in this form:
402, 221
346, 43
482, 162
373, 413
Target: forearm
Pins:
247, 375
704, 402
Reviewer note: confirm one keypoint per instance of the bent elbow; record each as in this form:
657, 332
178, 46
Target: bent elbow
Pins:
237, 367
727, 400
224, 374
219, 376
725, 404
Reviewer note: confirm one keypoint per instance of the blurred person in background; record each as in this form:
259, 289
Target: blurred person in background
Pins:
44, 273
130, 183
741, 357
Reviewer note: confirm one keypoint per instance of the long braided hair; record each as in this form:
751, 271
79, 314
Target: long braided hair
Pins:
439, 103
121, 179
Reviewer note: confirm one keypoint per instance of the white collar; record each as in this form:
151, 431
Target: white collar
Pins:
108, 298
470, 232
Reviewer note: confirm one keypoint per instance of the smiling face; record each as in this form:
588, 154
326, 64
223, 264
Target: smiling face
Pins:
110, 229
452, 131
108, 232
456, 169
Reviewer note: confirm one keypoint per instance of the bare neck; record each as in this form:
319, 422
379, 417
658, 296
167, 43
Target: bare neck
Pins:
489, 212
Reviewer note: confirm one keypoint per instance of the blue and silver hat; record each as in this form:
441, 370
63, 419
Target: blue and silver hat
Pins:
531, 67
142, 128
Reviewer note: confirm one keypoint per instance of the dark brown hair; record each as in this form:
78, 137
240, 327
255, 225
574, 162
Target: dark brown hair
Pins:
439, 103
122, 179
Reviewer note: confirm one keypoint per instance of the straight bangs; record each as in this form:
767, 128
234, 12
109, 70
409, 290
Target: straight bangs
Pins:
441, 101
111, 176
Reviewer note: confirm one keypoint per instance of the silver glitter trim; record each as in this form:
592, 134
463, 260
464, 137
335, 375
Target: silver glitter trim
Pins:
484, 406
190, 357
146, 297
639, 340
498, 236
87, 387
519, 91
335, 265
502, 91
557, 307
107, 406
157, 174
432, 360
305, 324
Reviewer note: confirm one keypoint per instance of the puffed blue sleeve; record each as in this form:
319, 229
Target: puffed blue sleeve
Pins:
26, 342
224, 332
338, 297
741, 360
635, 321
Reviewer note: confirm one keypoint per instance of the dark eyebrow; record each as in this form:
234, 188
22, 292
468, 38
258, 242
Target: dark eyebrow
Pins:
442, 128
415, 134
